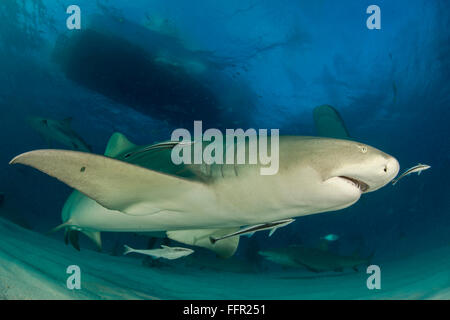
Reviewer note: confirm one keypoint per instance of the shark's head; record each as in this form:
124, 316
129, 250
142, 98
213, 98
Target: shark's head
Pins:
339, 171
38, 123
359, 166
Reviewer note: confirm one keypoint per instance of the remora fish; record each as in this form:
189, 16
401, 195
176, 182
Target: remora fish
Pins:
147, 192
60, 131
418, 168
273, 226
165, 252
316, 260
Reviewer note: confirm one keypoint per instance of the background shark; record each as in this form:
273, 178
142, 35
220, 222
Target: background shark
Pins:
316, 260
59, 131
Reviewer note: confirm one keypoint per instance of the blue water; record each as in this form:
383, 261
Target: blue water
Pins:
270, 63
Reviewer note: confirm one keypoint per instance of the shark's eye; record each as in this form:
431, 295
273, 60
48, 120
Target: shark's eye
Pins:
385, 168
363, 149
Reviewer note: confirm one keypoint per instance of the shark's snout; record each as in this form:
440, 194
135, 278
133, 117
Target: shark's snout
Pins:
379, 178
378, 173
368, 174
392, 167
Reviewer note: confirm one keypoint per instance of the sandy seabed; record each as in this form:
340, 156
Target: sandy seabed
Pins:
33, 266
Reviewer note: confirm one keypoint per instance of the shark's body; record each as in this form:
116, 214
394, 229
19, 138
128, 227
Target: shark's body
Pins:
316, 260
170, 253
59, 131
195, 202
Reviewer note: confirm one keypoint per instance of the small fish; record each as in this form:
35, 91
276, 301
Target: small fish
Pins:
330, 237
258, 227
419, 168
165, 252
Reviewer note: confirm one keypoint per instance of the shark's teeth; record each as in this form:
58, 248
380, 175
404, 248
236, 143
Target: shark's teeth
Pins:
357, 183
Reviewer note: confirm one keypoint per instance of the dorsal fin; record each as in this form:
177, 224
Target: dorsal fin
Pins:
329, 123
117, 145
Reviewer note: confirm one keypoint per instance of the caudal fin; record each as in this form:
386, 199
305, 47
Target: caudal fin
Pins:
127, 249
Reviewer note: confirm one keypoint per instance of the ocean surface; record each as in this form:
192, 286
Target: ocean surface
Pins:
146, 68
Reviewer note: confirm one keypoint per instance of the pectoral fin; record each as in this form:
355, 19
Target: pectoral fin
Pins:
115, 184
200, 238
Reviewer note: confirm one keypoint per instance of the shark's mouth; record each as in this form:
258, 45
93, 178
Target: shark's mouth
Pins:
357, 183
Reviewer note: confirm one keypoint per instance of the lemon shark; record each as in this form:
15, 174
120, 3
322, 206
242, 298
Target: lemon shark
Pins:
314, 259
59, 131
130, 191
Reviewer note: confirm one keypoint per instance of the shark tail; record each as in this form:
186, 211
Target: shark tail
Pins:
127, 249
